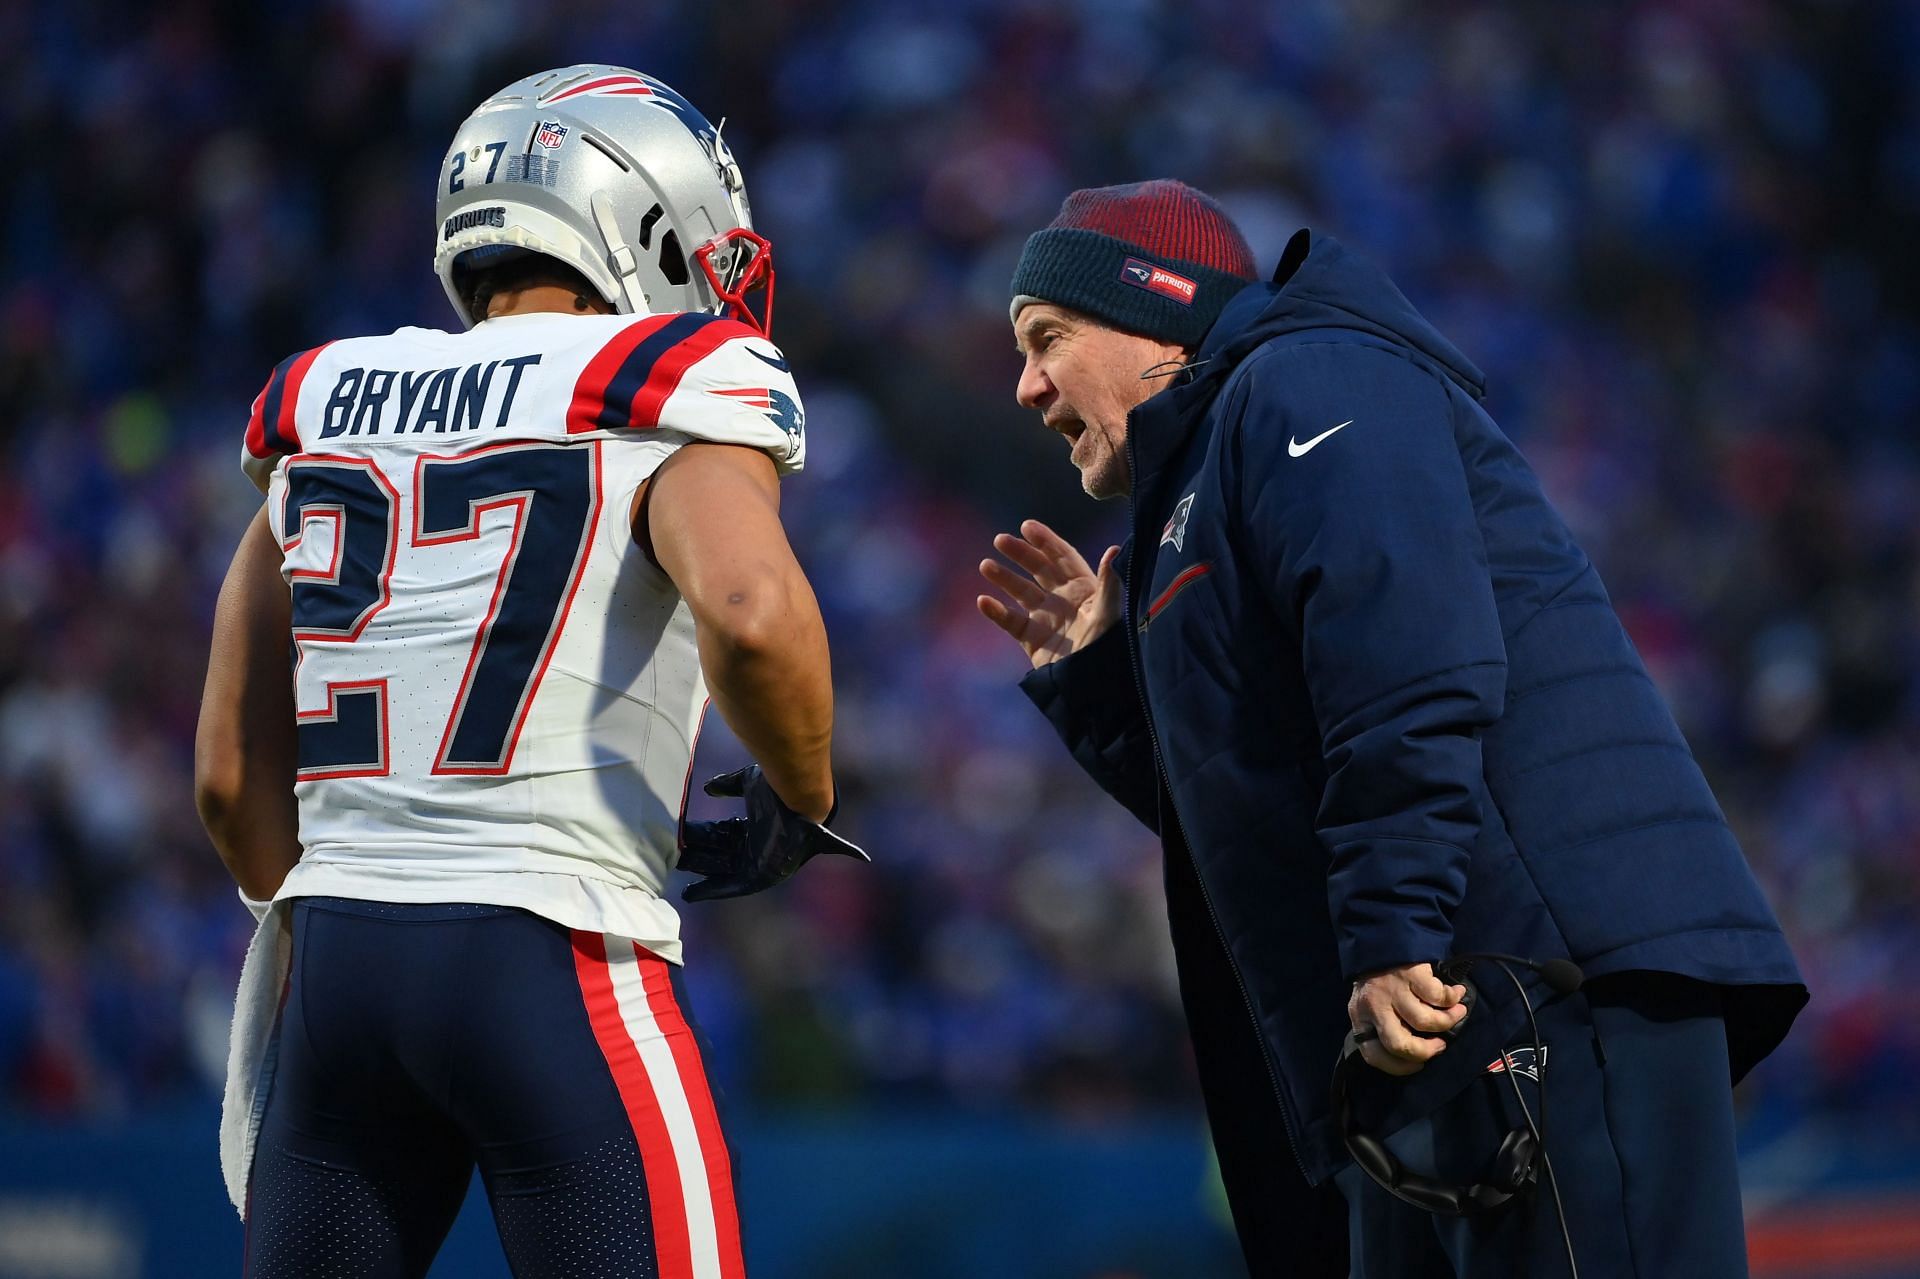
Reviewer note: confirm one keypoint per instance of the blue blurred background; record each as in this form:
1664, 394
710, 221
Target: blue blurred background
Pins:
1676, 236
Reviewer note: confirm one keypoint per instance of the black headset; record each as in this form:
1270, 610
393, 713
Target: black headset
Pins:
1518, 1162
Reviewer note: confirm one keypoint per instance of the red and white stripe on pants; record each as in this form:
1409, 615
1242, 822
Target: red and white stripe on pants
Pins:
657, 1068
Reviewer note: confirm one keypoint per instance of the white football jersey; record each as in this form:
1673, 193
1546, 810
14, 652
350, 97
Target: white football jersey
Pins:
498, 694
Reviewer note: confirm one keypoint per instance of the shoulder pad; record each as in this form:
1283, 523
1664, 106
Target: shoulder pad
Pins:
703, 376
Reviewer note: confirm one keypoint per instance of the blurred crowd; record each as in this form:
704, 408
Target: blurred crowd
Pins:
1673, 234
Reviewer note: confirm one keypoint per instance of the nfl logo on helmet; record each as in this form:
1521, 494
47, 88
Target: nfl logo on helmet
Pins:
552, 133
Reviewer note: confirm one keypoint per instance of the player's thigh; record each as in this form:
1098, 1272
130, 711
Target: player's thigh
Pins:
591, 1114
353, 1171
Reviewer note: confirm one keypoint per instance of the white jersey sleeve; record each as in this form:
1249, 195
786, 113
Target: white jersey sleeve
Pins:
498, 694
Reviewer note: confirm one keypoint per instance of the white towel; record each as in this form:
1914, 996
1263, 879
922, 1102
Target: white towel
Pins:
256, 1009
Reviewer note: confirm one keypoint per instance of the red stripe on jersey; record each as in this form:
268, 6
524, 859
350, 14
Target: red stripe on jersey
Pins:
658, 984
670, 368
590, 392
256, 430
673, 1247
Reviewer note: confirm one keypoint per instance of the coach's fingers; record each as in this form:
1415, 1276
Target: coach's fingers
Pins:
1374, 1004
1430, 989
1056, 548
1021, 588
1031, 558
1397, 1040
1010, 618
1419, 1015
1385, 1062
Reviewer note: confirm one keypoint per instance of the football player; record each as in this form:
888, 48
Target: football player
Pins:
512, 562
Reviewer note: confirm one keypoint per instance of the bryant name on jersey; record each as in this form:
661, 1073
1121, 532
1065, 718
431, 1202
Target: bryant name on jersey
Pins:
439, 400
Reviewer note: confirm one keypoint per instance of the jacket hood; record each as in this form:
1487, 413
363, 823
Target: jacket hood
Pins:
1320, 284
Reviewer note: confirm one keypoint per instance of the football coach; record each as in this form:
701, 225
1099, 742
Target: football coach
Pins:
1354, 670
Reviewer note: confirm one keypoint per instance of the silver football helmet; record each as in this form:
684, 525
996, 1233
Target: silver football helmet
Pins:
614, 174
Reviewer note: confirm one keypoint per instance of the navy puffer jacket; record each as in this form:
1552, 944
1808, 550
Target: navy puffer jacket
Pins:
1394, 713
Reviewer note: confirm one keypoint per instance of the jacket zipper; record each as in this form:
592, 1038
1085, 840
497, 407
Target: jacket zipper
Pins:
1287, 1120
1186, 578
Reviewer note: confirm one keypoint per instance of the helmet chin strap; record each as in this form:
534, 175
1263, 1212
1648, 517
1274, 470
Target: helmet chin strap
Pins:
619, 254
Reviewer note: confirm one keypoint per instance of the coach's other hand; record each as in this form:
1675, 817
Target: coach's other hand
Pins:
742, 855
1062, 606
1405, 1008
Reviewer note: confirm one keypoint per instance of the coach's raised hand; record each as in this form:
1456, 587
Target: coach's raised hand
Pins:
1060, 604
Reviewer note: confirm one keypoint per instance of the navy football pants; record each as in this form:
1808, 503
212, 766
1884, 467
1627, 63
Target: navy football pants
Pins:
417, 1041
1640, 1131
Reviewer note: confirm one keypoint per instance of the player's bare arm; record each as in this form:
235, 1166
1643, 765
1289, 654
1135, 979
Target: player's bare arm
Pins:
712, 516
245, 753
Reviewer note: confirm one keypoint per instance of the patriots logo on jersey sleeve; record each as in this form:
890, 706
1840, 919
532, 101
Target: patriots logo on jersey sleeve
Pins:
777, 406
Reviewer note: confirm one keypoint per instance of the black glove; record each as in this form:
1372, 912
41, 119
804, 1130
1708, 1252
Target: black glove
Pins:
742, 855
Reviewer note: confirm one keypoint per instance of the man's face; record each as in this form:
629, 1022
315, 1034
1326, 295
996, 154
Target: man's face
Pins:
1084, 377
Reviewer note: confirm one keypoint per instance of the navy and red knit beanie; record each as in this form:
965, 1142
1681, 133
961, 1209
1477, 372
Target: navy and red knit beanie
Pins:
1155, 258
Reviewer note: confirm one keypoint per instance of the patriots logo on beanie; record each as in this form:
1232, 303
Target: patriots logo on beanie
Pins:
1157, 279
1156, 258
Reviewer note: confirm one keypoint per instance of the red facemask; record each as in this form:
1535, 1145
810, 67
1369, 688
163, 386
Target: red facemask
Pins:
757, 271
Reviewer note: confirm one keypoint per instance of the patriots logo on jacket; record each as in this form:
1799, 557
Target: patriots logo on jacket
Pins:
1176, 529
1521, 1061
779, 409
